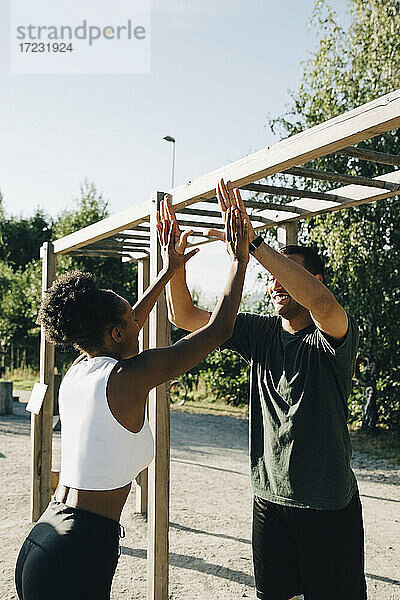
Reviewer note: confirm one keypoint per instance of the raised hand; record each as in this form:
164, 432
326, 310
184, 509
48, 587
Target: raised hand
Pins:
168, 234
230, 197
168, 214
237, 235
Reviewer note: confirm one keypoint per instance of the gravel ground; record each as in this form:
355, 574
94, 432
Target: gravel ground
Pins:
210, 516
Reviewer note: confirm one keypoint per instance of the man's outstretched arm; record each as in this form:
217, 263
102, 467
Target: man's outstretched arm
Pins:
307, 290
304, 287
181, 310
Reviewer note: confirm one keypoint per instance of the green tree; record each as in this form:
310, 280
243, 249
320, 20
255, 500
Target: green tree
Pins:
19, 301
361, 245
110, 273
20, 284
21, 238
20, 272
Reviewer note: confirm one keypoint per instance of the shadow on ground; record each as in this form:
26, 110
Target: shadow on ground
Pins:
196, 564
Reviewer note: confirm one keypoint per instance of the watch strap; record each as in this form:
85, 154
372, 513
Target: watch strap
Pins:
255, 244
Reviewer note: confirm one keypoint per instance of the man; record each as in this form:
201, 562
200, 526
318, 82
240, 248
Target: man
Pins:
307, 520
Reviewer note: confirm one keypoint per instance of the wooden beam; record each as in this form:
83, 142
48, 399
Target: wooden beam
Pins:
103, 229
356, 195
135, 256
130, 236
291, 192
351, 127
159, 414
371, 156
42, 424
55, 478
136, 229
366, 121
103, 252
261, 219
200, 212
214, 213
141, 484
187, 223
288, 234
341, 178
141, 228
112, 244
122, 247
264, 205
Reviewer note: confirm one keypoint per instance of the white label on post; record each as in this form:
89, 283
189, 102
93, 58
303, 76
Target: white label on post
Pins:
37, 396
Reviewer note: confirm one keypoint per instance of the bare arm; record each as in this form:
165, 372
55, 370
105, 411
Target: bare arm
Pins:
156, 366
162, 364
181, 310
307, 290
172, 262
143, 307
304, 287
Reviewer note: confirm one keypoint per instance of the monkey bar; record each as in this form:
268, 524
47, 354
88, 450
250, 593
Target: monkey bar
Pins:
132, 235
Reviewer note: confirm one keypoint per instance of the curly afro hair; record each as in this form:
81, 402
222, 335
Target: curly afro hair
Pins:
75, 312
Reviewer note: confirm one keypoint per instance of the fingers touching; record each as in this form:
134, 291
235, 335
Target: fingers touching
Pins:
228, 198
237, 237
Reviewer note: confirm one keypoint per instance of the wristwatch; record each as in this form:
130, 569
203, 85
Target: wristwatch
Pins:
255, 244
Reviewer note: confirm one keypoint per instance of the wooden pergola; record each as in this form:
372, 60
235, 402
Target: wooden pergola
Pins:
131, 235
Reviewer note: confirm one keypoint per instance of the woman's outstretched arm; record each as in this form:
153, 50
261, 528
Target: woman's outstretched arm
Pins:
172, 262
153, 367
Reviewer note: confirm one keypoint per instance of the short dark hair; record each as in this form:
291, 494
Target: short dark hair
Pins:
312, 260
75, 312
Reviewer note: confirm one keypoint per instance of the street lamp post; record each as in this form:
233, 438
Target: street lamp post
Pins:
169, 138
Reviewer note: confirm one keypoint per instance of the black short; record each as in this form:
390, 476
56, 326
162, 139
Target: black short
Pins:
318, 553
69, 553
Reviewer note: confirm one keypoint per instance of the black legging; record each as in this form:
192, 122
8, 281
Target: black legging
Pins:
70, 553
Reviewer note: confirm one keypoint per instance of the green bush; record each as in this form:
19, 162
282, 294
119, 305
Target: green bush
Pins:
225, 376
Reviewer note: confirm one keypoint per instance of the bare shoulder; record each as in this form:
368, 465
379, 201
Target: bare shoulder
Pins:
126, 394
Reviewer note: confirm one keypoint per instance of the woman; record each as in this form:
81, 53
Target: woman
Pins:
72, 551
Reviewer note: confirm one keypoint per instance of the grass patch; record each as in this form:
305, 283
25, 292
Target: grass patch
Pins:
200, 399
212, 408
383, 444
23, 379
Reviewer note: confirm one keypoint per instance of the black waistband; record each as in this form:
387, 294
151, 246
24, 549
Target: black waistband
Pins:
60, 508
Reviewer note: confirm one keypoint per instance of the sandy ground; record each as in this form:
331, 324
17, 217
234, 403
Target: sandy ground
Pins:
210, 516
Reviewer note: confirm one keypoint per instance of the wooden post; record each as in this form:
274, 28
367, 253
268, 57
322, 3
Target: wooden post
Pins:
6, 398
158, 509
287, 235
142, 478
42, 424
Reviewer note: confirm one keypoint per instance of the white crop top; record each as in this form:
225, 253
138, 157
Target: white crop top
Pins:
97, 452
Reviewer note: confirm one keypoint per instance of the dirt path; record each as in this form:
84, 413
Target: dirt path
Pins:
210, 550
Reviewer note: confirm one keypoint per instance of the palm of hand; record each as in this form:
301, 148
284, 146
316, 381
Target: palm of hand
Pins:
172, 244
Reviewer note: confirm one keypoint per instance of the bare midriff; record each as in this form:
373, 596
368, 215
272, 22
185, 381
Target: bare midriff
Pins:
107, 503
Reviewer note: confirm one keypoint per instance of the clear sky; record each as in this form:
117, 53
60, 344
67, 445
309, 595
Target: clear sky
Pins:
219, 68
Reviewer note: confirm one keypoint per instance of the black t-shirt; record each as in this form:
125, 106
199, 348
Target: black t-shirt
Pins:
300, 448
